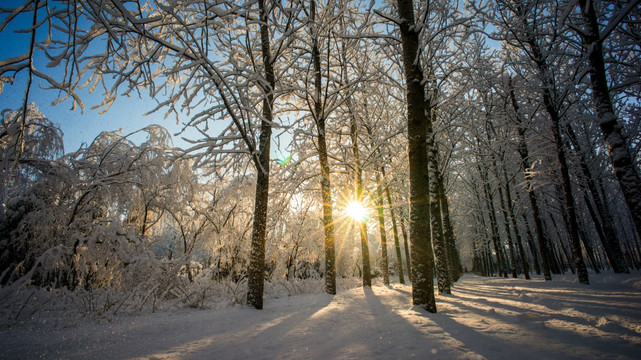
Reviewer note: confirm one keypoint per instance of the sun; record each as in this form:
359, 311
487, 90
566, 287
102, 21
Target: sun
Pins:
357, 211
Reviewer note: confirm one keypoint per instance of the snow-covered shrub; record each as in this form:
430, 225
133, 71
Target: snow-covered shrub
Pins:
117, 227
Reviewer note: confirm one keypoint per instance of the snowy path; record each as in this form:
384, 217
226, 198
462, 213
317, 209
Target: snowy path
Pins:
485, 318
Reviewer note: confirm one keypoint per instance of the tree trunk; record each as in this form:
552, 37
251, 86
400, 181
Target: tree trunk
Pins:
397, 244
362, 229
494, 228
589, 251
417, 121
380, 203
326, 192
566, 185
491, 267
551, 108
624, 168
328, 218
408, 262
441, 255
531, 245
448, 231
506, 224
482, 224
256, 271
519, 242
526, 164
605, 228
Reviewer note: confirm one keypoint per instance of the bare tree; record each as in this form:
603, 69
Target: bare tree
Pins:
626, 172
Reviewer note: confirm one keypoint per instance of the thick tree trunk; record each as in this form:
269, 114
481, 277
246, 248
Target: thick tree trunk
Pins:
575, 242
256, 271
417, 122
326, 192
624, 168
328, 218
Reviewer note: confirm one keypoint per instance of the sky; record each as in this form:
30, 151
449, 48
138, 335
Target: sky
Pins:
82, 126
77, 126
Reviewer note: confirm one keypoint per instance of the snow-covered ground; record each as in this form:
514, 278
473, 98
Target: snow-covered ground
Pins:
484, 318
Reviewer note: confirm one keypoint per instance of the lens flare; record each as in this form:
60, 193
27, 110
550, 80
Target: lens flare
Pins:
284, 159
357, 211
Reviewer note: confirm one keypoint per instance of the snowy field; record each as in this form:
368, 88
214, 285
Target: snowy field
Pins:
484, 318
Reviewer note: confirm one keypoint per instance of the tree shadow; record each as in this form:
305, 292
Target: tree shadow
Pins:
532, 332
361, 323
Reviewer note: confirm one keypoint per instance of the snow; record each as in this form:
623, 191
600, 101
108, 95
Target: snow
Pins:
483, 318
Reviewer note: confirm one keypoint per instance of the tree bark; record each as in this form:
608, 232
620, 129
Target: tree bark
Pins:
417, 121
256, 271
326, 192
589, 251
485, 238
441, 255
566, 185
624, 168
531, 245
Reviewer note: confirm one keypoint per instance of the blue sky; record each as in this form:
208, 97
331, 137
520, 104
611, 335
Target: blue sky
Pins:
78, 127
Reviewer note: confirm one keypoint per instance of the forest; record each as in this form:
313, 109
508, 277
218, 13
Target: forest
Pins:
324, 144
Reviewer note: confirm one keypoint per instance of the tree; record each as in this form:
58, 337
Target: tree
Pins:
30, 145
256, 271
418, 120
397, 244
527, 163
319, 106
165, 50
345, 57
626, 172
529, 27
